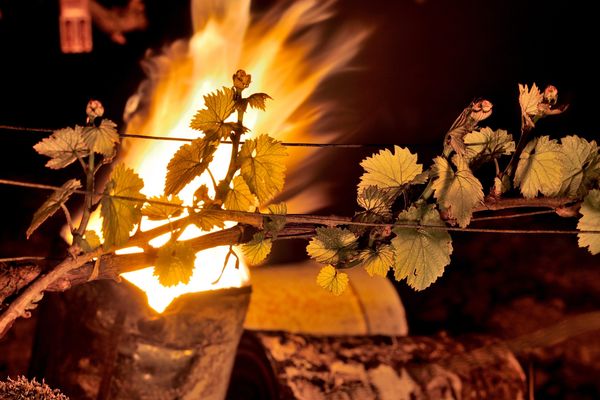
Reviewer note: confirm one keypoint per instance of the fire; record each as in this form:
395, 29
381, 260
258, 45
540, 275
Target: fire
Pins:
288, 56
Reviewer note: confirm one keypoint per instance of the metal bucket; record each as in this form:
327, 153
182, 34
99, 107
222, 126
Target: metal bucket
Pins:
102, 341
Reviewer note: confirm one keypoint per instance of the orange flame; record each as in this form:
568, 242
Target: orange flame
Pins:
288, 56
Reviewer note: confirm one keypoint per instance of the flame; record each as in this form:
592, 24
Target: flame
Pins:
287, 54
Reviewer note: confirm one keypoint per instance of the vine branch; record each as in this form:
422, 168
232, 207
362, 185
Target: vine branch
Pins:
76, 271
457, 206
27, 300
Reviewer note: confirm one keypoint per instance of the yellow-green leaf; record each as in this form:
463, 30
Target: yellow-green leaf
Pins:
277, 208
119, 216
377, 201
275, 223
163, 207
174, 263
529, 99
501, 185
188, 162
457, 191
581, 165
590, 221
201, 195
103, 138
330, 279
332, 245
421, 178
262, 166
377, 262
377, 204
257, 100
240, 198
91, 241
63, 147
208, 219
52, 204
486, 144
540, 168
386, 170
257, 249
219, 106
421, 254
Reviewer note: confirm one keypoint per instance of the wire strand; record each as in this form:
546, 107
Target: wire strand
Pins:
509, 216
188, 140
324, 220
26, 129
24, 258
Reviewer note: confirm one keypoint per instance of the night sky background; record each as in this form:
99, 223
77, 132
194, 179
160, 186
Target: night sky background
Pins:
423, 63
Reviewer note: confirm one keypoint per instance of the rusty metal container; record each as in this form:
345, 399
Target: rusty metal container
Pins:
102, 341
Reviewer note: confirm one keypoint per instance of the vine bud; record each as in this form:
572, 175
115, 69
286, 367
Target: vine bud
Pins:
551, 94
481, 110
241, 80
93, 110
548, 103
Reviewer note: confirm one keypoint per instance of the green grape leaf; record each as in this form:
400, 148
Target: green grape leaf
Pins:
257, 249
458, 191
188, 162
421, 253
63, 147
175, 263
262, 166
377, 201
501, 185
201, 195
277, 208
581, 165
529, 99
591, 176
103, 138
332, 280
53, 204
421, 178
486, 144
257, 100
540, 168
377, 262
90, 242
332, 245
240, 198
386, 170
163, 207
273, 224
219, 106
377, 204
208, 219
590, 221
119, 216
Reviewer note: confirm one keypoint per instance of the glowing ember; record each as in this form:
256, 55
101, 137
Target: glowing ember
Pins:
283, 63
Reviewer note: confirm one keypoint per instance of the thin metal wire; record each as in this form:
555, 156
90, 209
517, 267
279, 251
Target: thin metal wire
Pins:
322, 219
509, 216
22, 128
187, 140
24, 258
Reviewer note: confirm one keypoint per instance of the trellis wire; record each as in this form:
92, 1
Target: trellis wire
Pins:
187, 140
326, 219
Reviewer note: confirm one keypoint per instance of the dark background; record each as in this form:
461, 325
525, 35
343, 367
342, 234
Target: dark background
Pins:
423, 63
